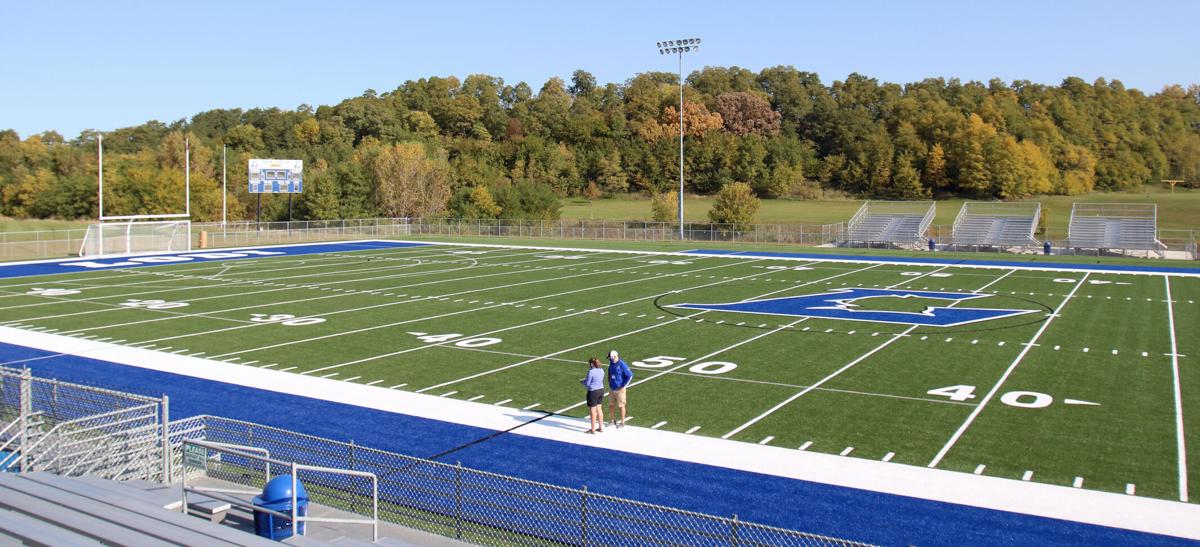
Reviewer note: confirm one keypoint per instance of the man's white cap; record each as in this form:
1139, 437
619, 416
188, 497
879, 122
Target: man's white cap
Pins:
613, 354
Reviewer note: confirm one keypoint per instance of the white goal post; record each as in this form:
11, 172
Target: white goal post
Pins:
134, 237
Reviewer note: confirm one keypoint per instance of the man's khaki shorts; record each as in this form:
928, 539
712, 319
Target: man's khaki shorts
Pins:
618, 396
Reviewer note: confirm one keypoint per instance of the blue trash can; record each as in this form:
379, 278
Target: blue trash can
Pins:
8, 461
277, 496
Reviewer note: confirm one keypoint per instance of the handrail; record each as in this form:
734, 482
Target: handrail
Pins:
854, 220
64, 424
962, 212
1037, 215
10, 425
927, 220
244, 451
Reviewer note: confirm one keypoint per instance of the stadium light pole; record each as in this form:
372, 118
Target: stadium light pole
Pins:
680, 47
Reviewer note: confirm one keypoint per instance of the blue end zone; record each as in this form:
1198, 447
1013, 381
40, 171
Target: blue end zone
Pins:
1116, 268
813, 507
74, 265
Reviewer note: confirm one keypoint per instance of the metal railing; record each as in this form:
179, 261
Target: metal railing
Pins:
246, 459
468, 504
73, 429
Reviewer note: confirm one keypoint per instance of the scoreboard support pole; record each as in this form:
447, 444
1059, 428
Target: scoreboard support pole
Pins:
289, 209
258, 213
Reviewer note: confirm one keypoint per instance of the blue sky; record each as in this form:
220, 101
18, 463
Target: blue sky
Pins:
68, 66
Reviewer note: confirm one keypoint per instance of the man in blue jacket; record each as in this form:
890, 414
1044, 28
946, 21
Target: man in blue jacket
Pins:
619, 376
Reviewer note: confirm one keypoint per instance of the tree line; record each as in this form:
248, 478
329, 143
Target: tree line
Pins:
482, 148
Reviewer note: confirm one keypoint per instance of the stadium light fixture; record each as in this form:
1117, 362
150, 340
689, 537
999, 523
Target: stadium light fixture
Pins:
679, 47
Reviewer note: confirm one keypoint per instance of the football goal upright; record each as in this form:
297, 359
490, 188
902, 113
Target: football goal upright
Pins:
118, 235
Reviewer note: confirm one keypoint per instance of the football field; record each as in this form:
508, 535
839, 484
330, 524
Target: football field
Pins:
1071, 378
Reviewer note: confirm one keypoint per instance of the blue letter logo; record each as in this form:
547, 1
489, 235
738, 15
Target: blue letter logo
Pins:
839, 304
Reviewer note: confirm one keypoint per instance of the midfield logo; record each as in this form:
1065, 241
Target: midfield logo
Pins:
840, 304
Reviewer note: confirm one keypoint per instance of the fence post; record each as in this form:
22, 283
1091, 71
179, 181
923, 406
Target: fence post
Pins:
296, 529
26, 402
583, 516
166, 440
458, 500
733, 537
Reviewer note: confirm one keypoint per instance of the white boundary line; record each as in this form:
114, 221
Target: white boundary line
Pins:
1003, 377
1031, 498
1180, 444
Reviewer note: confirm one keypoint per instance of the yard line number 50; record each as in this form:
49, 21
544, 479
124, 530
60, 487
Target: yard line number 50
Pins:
707, 367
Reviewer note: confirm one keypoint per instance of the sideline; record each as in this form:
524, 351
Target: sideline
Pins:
56, 266
1059, 502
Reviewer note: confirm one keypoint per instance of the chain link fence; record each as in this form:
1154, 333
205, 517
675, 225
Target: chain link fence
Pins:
467, 504
73, 429
1181, 243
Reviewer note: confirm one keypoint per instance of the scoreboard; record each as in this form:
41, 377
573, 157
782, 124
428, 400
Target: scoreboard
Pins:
276, 176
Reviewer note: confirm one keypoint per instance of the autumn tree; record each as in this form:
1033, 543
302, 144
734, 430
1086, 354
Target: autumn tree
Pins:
663, 207
410, 182
745, 113
735, 205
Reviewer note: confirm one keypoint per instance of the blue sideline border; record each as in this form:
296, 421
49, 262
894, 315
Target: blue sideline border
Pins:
1115, 268
813, 507
65, 266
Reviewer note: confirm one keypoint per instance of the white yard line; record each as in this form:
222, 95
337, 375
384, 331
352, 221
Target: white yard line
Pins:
1180, 447
849, 365
222, 283
594, 342
505, 329
1003, 377
309, 286
397, 303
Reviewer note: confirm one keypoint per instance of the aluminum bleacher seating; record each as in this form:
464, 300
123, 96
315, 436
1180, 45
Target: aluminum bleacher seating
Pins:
891, 222
1118, 226
995, 224
79, 512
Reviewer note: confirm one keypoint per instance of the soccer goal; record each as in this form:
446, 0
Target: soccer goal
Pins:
134, 237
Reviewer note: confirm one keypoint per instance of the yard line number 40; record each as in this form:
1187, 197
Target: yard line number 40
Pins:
1019, 399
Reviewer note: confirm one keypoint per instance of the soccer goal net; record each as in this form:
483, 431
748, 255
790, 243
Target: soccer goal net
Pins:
125, 238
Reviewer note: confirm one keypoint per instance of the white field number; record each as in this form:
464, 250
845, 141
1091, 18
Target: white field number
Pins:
707, 367
152, 304
51, 292
477, 342
1019, 399
285, 319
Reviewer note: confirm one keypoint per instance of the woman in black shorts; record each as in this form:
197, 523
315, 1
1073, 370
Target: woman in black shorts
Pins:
594, 383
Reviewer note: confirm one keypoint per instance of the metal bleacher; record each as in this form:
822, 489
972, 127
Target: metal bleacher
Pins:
1114, 226
42, 508
996, 224
891, 222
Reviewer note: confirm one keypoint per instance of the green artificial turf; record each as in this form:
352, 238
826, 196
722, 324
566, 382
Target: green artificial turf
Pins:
514, 327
